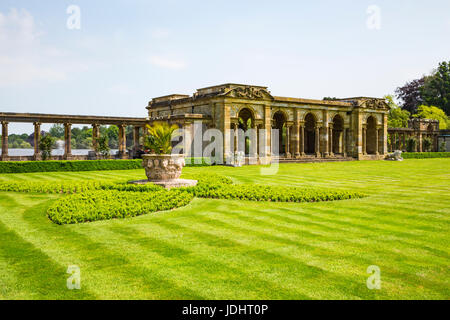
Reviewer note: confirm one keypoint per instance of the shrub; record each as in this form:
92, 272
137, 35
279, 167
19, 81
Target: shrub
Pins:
427, 143
424, 155
50, 187
197, 162
219, 187
45, 145
411, 144
112, 204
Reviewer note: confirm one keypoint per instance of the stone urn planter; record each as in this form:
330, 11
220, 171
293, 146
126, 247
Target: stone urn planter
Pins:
163, 167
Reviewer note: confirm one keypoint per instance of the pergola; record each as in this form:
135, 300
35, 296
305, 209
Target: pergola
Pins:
68, 120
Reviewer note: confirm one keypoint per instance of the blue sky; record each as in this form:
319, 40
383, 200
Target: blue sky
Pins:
127, 52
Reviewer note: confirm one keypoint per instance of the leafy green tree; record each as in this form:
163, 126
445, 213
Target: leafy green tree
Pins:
432, 112
57, 131
436, 88
45, 145
426, 144
113, 136
103, 147
397, 117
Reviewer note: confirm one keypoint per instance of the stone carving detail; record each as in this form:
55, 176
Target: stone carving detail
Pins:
249, 93
375, 104
163, 167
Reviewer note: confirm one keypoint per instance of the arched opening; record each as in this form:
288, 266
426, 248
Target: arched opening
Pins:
246, 121
279, 123
338, 135
371, 139
310, 135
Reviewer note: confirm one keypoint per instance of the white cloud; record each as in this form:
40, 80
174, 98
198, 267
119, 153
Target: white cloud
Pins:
167, 63
23, 58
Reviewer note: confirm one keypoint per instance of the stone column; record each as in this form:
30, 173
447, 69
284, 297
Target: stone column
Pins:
122, 142
187, 138
419, 142
287, 145
302, 140
268, 135
296, 137
330, 138
95, 137
344, 142
136, 145
376, 141
67, 140
364, 130
37, 139
5, 141
317, 142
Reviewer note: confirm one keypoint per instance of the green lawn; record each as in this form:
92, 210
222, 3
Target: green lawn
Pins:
223, 249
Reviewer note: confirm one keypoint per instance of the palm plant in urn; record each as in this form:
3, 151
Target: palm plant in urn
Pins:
160, 164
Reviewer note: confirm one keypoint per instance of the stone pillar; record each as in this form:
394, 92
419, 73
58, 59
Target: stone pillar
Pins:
344, 142
364, 130
302, 140
419, 142
37, 139
296, 137
136, 145
5, 141
317, 142
268, 135
288, 142
67, 140
330, 138
95, 137
122, 142
226, 130
187, 139
376, 141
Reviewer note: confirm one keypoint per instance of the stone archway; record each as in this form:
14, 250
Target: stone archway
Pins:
246, 120
371, 136
279, 123
337, 135
310, 135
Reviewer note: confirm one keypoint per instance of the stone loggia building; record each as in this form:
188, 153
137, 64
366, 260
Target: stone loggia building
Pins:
317, 129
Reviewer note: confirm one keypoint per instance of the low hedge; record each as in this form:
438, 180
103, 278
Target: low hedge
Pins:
425, 155
68, 165
112, 204
219, 187
83, 165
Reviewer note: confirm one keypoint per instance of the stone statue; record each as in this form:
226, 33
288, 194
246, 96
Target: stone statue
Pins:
395, 156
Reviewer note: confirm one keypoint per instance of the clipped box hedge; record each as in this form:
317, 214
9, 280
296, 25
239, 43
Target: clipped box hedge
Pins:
425, 155
83, 165
68, 165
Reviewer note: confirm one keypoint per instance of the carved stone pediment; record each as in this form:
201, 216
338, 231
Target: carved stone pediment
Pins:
375, 104
248, 92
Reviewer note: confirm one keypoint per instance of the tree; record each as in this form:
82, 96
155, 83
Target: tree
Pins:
436, 89
57, 131
410, 94
113, 136
397, 117
103, 147
45, 145
432, 112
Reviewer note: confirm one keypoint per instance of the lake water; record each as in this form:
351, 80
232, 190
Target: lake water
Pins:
55, 152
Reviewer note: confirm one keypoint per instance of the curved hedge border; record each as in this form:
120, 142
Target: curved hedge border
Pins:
99, 200
425, 155
112, 204
218, 187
